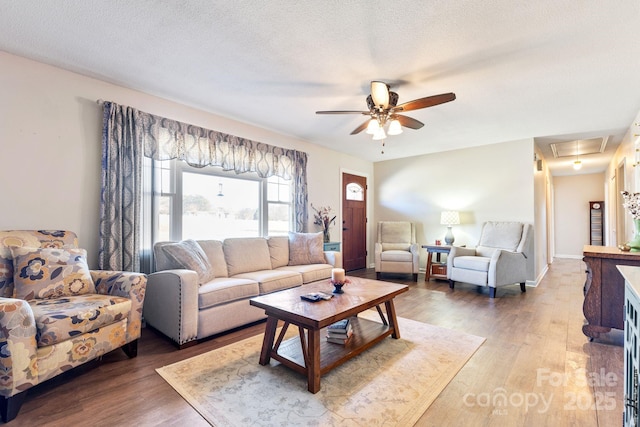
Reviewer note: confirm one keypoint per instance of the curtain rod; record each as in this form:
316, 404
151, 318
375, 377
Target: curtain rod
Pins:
99, 101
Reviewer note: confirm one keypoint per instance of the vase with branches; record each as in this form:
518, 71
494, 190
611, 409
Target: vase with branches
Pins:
323, 217
632, 205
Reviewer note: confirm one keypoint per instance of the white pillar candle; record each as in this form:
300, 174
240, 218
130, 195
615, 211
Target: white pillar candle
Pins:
337, 274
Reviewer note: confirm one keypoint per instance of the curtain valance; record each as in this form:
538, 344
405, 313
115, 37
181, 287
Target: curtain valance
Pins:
165, 139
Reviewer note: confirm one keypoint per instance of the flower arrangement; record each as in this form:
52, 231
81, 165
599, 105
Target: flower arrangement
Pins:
631, 203
322, 217
340, 282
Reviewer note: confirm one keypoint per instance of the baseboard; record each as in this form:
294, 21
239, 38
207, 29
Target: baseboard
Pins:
536, 282
568, 256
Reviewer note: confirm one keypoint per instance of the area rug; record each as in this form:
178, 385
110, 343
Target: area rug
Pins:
391, 384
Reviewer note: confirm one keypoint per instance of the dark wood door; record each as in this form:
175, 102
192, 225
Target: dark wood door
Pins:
354, 221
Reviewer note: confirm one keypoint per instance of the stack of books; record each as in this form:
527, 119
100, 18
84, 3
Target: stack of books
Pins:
340, 332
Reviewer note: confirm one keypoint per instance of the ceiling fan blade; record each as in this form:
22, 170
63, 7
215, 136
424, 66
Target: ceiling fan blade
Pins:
409, 122
380, 94
360, 128
343, 112
429, 101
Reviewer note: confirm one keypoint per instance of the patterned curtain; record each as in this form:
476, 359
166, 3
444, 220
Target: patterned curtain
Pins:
300, 196
121, 190
128, 133
165, 139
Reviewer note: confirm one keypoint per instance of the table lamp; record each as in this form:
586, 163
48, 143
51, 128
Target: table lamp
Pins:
449, 218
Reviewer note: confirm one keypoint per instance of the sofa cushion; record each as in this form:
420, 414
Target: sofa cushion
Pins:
306, 248
50, 273
215, 255
273, 280
396, 246
244, 254
63, 318
469, 276
396, 255
310, 272
395, 232
222, 290
189, 255
504, 235
477, 263
279, 250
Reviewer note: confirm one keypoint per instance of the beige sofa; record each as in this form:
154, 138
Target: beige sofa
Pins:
195, 295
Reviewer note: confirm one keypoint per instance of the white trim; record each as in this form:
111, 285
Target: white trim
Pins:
569, 256
536, 282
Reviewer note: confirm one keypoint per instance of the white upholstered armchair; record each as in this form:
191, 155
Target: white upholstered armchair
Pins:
504, 256
396, 249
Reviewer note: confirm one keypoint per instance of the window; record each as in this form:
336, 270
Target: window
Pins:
279, 211
207, 203
355, 192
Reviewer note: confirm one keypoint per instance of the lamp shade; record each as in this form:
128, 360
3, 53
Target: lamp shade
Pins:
372, 126
450, 218
395, 128
379, 134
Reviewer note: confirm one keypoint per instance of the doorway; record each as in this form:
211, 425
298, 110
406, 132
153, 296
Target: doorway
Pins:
354, 222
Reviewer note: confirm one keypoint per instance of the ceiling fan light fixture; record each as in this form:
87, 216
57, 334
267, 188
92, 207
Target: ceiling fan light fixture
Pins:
372, 126
379, 134
380, 94
382, 106
395, 128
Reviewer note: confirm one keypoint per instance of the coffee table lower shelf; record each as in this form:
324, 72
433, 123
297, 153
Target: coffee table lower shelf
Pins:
366, 333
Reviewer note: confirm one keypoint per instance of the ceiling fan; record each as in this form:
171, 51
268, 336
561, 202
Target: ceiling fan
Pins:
383, 110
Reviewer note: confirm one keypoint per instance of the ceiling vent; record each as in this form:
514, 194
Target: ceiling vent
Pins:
580, 147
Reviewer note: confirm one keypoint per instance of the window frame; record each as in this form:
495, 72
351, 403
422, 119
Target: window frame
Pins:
175, 194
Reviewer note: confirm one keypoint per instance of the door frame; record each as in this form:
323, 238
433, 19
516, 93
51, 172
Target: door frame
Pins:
620, 176
369, 262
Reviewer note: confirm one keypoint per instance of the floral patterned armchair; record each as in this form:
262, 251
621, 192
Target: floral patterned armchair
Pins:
56, 314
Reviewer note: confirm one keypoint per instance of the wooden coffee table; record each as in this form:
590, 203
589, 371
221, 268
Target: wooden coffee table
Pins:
309, 353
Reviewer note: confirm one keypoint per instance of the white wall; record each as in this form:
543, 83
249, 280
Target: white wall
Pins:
572, 195
543, 219
50, 131
489, 183
627, 154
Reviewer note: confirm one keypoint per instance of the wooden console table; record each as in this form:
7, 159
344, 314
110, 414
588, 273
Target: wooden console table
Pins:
604, 288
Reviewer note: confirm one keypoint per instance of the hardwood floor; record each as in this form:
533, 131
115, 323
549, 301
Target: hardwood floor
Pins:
536, 367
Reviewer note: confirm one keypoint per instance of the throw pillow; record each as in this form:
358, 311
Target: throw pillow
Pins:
44, 273
306, 248
189, 255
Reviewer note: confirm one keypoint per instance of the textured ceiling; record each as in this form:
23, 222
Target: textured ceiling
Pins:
553, 70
